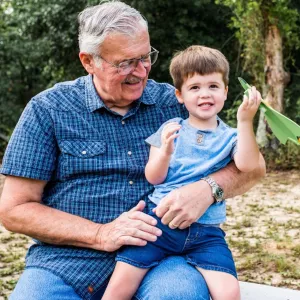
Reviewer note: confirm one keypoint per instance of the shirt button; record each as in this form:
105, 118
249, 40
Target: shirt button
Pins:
83, 152
129, 152
90, 289
123, 122
131, 182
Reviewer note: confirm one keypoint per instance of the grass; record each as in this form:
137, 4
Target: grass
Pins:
263, 231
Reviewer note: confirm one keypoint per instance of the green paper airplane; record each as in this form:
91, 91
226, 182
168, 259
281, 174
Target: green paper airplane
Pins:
282, 127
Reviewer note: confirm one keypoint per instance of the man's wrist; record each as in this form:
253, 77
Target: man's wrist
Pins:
99, 239
216, 190
206, 190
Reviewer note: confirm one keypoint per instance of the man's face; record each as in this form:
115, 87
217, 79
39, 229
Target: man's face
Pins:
121, 90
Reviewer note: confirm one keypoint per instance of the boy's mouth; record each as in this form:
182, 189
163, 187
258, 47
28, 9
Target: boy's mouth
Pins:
205, 104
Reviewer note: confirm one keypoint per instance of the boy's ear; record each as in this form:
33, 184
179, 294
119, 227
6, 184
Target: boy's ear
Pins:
179, 96
226, 92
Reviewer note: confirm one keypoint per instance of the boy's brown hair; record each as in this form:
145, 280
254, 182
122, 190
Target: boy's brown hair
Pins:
198, 60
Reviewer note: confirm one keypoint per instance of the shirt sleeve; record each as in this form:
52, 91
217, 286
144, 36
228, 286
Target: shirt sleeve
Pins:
32, 150
155, 138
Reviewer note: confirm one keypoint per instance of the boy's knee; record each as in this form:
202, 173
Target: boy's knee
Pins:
232, 292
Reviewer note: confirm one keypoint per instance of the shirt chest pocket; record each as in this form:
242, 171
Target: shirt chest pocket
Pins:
79, 158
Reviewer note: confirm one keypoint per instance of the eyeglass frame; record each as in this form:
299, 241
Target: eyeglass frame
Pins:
137, 60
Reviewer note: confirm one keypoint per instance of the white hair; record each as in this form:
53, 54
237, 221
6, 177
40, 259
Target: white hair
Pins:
96, 22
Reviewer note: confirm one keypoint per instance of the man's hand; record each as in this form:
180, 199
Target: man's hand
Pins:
130, 228
183, 206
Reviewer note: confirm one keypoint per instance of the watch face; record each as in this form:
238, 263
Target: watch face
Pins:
219, 193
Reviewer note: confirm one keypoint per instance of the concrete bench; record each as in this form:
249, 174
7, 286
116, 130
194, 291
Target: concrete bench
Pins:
253, 291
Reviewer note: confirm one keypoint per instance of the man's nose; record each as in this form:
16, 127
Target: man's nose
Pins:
140, 70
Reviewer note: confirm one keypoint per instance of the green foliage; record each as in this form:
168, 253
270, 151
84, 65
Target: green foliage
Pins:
175, 25
251, 19
285, 157
39, 47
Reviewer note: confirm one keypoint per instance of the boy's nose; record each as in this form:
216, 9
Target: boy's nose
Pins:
204, 93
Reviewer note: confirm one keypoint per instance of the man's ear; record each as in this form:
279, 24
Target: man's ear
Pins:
87, 62
179, 96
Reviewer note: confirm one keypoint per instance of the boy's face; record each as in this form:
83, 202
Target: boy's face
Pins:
203, 96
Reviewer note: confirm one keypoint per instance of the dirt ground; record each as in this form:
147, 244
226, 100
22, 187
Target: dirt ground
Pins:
263, 231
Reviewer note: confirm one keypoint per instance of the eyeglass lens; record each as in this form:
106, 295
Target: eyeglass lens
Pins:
128, 66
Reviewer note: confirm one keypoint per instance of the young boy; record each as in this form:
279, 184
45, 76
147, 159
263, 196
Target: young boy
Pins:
182, 152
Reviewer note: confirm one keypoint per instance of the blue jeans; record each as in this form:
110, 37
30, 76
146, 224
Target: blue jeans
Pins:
203, 246
173, 279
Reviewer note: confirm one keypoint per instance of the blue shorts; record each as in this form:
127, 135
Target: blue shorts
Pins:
203, 246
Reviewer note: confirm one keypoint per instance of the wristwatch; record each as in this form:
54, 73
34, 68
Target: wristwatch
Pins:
217, 191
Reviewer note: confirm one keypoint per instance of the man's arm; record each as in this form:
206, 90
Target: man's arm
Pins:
185, 205
235, 182
21, 211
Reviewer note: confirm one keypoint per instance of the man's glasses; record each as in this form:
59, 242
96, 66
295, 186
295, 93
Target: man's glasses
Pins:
128, 66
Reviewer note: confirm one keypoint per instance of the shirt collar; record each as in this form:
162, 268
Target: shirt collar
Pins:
93, 100
190, 128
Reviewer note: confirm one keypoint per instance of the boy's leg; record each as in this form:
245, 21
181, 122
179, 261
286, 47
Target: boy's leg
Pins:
207, 250
221, 285
124, 282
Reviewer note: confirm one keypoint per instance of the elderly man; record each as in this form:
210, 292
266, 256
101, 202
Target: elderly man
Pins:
75, 170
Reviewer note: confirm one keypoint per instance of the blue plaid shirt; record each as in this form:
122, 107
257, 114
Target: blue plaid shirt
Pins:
93, 160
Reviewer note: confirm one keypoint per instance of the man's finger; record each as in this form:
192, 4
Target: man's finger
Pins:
168, 217
161, 209
140, 234
176, 222
139, 207
184, 225
138, 215
129, 240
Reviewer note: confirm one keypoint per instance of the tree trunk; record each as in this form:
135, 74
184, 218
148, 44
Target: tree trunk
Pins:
276, 78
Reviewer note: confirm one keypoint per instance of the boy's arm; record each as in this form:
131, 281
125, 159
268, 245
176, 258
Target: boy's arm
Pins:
159, 159
247, 156
157, 167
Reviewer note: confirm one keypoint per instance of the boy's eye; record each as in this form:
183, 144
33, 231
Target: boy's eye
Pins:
213, 86
195, 87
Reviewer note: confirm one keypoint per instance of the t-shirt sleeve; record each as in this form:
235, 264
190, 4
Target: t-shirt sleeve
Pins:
32, 149
155, 138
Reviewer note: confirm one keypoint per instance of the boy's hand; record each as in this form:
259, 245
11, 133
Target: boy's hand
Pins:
168, 136
249, 106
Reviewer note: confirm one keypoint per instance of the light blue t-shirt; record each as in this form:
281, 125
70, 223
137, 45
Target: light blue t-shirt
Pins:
197, 153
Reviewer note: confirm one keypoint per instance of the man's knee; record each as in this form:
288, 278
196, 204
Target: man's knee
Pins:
173, 279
